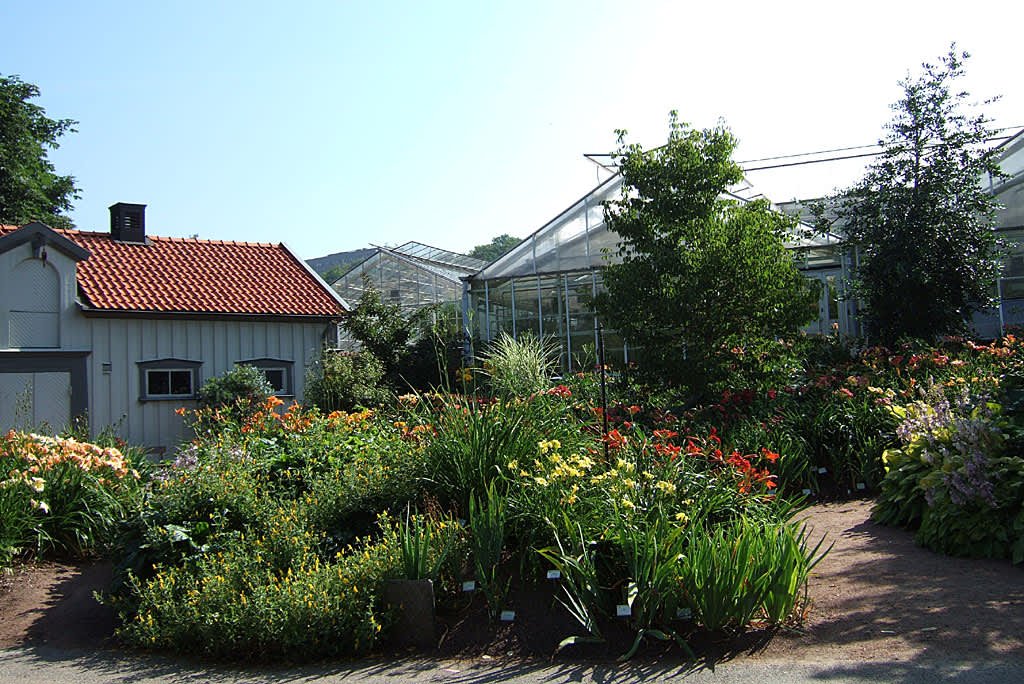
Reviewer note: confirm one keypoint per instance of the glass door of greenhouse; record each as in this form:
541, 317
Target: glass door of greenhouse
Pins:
831, 310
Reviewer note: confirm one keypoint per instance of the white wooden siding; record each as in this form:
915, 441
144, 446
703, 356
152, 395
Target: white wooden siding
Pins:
28, 400
218, 344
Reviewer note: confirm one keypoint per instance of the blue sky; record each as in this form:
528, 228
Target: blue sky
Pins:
332, 125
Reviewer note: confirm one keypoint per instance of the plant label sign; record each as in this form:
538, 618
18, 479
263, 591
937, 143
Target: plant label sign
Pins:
861, 485
469, 586
683, 614
508, 615
822, 471
807, 492
623, 610
554, 574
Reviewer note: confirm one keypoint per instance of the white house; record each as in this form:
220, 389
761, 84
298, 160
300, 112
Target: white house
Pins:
126, 327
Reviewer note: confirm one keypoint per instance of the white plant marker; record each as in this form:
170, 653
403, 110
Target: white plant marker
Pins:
469, 586
508, 615
554, 574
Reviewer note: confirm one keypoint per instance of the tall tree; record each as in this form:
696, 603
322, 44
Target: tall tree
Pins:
698, 268
495, 248
30, 189
920, 219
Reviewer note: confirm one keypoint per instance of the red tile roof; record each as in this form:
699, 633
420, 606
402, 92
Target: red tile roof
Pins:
196, 276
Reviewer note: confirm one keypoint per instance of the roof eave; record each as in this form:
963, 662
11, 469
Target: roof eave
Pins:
42, 235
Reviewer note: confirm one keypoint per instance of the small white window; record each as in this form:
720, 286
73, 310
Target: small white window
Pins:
278, 373
169, 383
168, 379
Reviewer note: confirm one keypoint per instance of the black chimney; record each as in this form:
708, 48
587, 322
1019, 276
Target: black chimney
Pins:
128, 222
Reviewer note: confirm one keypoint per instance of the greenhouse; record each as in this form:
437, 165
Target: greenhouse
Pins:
412, 276
544, 285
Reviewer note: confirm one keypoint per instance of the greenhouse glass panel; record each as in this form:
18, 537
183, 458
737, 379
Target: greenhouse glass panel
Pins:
411, 276
527, 309
552, 305
499, 294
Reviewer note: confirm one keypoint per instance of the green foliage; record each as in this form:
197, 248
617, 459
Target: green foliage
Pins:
410, 347
61, 497
921, 219
581, 589
270, 596
698, 269
340, 381
474, 441
519, 368
651, 552
497, 247
256, 539
955, 478
487, 542
30, 190
243, 386
737, 571
425, 545
380, 328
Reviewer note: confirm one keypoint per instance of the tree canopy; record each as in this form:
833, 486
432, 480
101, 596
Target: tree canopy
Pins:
30, 188
495, 248
699, 269
920, 219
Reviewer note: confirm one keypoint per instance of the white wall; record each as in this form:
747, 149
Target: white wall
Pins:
12, 289
220, 344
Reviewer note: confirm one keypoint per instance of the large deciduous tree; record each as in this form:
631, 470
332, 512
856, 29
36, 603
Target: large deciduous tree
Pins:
30, 189
497, 247
921, 219
698, 268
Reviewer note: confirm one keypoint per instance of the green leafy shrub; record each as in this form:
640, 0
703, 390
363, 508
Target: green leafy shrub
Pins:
269, 595
341, 381
955, 479
243, 386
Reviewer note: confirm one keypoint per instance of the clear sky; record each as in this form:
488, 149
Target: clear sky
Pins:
330, 125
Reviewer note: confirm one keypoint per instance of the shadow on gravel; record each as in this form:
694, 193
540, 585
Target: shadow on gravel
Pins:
878, 585
70, 617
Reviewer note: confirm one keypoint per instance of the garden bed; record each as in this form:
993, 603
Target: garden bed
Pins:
876, 596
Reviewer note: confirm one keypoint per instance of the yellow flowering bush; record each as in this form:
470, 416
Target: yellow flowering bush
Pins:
269, 595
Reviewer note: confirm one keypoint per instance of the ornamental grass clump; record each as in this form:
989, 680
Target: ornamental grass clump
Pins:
519, 367
425, 545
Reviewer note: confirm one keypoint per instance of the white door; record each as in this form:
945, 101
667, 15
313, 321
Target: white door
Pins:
830, 309
30, 400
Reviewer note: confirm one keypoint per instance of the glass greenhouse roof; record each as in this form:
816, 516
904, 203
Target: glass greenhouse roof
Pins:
577, 239
412, 275
441, 257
